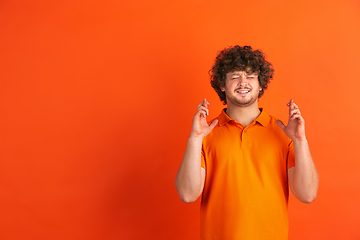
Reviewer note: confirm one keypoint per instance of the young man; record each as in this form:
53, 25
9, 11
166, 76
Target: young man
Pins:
244, 161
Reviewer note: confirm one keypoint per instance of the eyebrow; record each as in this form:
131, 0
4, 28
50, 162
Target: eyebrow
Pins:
246, 74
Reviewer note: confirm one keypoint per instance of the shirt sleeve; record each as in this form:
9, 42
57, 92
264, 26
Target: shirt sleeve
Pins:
291, 156
203, 162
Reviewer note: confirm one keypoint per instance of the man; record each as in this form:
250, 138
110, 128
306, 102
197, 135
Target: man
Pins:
244, 161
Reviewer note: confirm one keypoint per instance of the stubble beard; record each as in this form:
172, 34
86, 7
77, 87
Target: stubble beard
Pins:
242, 103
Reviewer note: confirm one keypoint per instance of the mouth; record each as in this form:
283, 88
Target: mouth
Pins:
243, 91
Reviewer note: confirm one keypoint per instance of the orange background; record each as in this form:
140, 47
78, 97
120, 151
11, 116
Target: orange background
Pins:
97, 99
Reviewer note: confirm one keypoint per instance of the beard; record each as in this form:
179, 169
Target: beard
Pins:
242, 102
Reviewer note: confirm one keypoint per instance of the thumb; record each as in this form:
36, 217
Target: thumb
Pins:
280, 124
213, 124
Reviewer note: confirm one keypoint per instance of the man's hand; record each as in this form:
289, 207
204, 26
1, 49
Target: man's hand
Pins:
303, 178
296, 125
190, 178
200, 127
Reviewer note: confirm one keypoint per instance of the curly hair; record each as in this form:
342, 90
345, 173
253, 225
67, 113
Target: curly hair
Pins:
237, 58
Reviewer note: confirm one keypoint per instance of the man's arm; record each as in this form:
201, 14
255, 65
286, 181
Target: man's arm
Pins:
303, 178
190, 178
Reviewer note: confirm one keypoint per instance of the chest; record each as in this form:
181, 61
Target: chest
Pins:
246, 147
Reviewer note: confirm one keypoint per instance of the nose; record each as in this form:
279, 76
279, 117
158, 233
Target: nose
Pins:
242, 79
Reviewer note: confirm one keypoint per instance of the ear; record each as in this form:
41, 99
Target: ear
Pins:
222, 89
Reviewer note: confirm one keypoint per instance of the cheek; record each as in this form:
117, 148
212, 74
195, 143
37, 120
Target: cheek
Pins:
255, 85
233, 84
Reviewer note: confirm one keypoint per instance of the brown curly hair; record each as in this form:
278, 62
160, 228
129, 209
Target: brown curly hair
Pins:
237, 58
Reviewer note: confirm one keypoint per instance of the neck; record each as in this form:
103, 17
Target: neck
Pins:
243, 115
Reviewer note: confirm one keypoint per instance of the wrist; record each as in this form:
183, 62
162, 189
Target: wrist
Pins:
196, 137
301, 140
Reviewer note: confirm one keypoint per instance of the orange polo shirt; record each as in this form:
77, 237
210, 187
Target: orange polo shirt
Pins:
246, 189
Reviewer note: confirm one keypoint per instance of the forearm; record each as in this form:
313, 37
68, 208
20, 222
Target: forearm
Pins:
305, 177
188, 182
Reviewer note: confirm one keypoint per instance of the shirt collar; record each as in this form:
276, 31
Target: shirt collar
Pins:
263, 119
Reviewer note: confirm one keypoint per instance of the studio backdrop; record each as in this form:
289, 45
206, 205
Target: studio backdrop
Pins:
97, 99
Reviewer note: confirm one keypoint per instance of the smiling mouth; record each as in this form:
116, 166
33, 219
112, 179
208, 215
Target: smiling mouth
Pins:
243, 91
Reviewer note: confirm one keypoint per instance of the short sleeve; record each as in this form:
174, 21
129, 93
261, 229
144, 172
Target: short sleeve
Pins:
291, 156
203, 163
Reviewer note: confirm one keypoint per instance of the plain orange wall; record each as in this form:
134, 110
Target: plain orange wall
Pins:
97, 99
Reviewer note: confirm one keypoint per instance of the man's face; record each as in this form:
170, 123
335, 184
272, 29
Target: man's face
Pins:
241, 89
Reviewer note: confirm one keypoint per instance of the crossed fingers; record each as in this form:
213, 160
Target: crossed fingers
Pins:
294, 111
202, 108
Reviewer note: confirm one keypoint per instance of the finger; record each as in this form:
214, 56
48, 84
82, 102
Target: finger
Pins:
297, 116
204, 109
213, 124
301, 119
280, 124
200, 105
201, 113
292, 104
205, 103
292, 107
294, 111
295, 106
